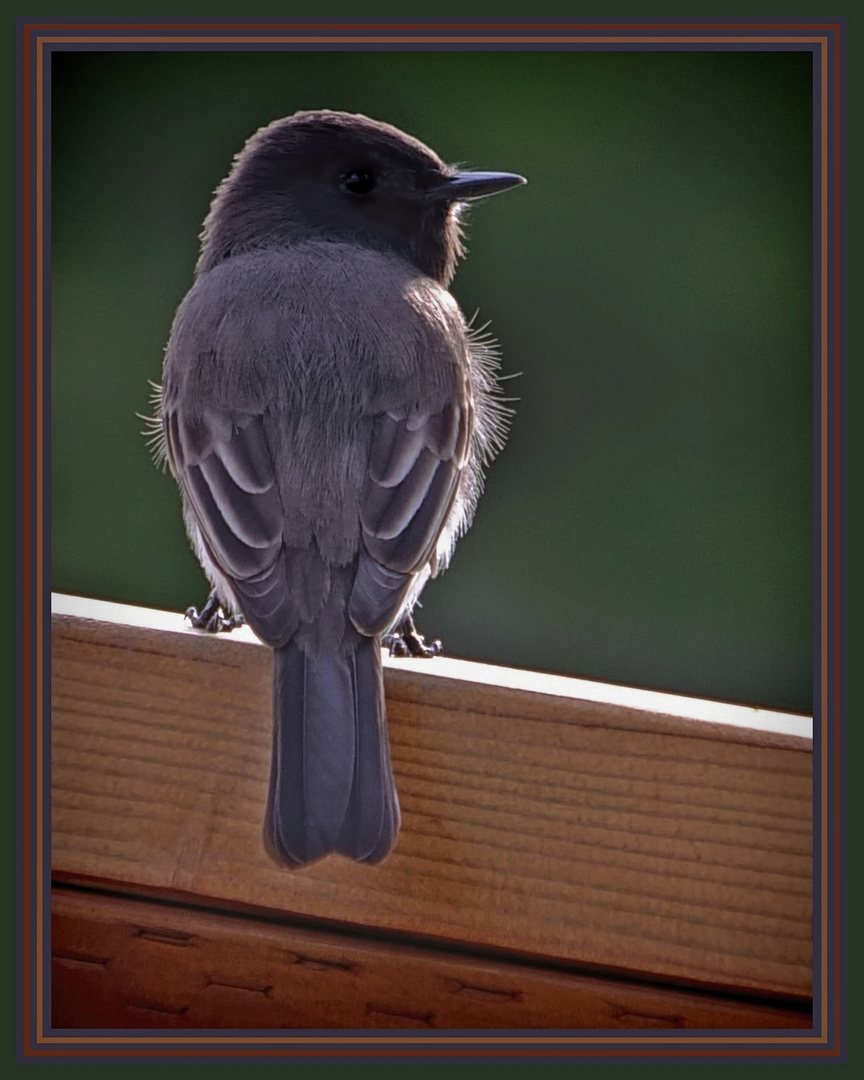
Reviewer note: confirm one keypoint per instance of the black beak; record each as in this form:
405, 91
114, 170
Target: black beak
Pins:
462, 186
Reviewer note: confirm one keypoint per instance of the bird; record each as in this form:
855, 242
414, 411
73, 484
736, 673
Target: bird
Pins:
327, 413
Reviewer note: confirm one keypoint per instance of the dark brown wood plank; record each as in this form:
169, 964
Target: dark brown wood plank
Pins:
125, 963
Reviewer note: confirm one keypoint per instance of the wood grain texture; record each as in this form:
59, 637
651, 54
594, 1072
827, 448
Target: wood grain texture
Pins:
128, 963
580, 831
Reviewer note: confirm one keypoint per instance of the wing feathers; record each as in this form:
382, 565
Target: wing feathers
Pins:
377, 596
394, 451
387, 511
234, 556
253, 517
246, 458
415, 467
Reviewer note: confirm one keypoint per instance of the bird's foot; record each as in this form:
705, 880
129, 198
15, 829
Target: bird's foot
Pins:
406, 641
212, 618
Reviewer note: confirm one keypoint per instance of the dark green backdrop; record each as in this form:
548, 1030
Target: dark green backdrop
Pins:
650, 519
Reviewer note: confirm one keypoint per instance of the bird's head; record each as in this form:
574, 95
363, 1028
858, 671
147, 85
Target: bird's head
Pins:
337, 176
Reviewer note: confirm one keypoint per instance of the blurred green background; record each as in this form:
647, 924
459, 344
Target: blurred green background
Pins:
650, 519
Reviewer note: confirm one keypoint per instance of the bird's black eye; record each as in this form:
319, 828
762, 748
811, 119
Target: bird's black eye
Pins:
358, 181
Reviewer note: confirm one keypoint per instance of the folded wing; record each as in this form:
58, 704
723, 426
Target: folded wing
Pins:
415, 465
226, 470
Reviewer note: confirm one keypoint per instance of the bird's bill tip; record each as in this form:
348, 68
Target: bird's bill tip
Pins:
463, 186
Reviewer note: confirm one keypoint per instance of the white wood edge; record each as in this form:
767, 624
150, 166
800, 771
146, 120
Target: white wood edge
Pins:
654, 701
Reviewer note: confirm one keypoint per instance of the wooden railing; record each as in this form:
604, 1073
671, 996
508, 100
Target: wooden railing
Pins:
573, 855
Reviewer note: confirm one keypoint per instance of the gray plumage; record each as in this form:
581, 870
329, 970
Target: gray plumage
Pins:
327, 414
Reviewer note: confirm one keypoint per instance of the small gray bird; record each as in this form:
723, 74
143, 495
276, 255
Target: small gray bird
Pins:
326, 412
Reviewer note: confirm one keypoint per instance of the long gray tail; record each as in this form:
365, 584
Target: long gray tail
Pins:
331, 783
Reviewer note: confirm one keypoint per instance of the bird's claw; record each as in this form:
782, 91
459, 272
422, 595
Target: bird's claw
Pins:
407, 641
212, 618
